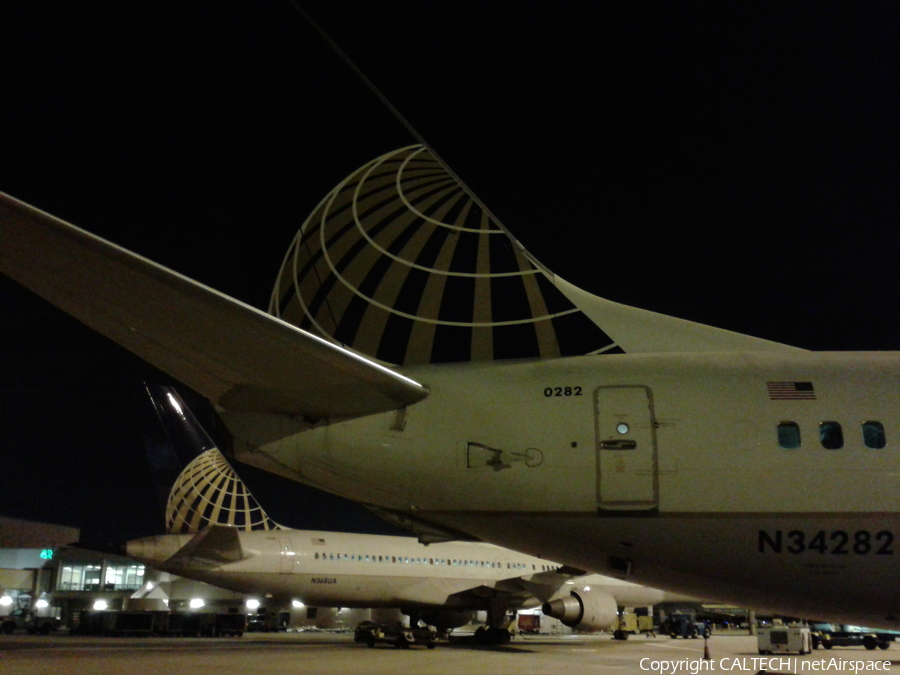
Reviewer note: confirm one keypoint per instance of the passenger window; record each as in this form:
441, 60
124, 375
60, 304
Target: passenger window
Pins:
873, 435
831, 435
789, 435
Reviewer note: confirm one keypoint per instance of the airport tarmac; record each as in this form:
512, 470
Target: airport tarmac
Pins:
327, 654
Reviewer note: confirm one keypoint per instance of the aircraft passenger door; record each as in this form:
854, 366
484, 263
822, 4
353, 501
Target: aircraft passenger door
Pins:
287, 555
627, 462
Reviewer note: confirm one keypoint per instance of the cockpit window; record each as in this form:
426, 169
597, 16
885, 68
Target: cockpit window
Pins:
789, 435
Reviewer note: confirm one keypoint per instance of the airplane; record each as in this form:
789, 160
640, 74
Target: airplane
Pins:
662, 451
668, 455
220, 534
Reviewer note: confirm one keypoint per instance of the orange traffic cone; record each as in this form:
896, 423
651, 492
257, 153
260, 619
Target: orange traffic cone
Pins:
706, 656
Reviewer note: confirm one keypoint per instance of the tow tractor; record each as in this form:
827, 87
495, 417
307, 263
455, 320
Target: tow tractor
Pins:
781, 639
684, 626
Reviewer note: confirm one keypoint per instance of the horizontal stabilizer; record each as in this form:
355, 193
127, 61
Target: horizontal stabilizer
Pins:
568, 570
242, 359
215, 546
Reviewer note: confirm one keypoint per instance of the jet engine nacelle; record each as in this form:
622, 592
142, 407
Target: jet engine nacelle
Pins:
584, 610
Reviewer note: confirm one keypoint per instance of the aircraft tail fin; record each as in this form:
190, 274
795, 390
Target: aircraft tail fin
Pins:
207, 492
401, 262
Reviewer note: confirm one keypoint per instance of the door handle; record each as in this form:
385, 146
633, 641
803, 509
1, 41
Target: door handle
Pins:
618, 444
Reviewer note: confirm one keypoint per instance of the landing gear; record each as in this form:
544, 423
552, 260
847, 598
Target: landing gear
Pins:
492, 636
498, 620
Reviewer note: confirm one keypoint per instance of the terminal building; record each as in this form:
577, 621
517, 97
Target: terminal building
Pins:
43, 569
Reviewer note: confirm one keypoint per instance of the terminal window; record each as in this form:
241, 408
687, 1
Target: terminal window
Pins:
123, 577
79, 578
88, 577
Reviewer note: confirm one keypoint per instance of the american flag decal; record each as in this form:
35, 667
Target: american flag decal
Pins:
791, 391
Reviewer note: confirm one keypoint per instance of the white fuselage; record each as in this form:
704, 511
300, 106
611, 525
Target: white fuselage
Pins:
693, 492
330, 569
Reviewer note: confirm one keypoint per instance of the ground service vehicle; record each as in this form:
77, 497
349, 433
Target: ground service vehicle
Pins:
685, 626
838, 635
176, 624
784, 640
402, 637
25, 619
631, 624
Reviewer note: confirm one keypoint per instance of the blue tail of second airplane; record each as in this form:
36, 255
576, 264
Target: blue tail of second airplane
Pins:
207, 491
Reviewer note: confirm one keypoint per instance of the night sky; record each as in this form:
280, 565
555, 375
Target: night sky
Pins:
734, 164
